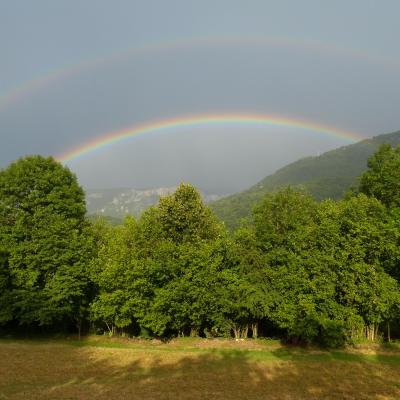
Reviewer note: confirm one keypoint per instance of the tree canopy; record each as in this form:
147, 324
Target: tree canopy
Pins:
44, 248
382, 179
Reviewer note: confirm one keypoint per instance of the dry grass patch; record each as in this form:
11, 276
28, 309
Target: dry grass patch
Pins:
192, 370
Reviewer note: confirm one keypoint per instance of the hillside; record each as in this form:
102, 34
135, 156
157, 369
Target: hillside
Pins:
329, 175
116, 203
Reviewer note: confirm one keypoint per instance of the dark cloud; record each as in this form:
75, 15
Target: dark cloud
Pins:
353, 90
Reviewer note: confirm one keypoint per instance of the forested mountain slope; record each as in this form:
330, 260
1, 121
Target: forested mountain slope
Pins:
329, 175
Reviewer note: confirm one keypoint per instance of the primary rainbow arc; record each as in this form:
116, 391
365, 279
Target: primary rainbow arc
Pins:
204, 120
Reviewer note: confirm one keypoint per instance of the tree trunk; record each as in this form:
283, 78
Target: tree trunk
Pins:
194, 332
245, 331
254, 328
110, 330
371, 332
79, 326
357, 332
236, 332
240, 332
388, 329
368, 332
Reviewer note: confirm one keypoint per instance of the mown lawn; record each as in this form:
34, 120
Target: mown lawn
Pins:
99, 368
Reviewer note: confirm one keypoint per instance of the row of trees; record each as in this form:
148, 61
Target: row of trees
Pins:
325, 272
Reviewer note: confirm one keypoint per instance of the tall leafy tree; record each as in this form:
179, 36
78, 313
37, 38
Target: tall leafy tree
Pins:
42, 219
382, 179
284, 229
326, 265
114, 271
248, 295
177, 243
5, 287
184, 217
283, 221
190, 300
364, 251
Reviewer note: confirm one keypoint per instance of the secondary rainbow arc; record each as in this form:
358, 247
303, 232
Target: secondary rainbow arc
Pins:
204, 120
29, 87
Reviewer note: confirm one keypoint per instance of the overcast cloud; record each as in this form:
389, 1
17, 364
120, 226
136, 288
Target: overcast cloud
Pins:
335, 63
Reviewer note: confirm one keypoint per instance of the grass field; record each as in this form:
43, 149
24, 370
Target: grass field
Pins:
100, 368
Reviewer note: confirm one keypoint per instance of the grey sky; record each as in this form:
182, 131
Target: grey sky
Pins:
336, 63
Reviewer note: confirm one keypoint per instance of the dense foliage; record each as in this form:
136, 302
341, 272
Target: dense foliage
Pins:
382, 180
322, 272
43, 243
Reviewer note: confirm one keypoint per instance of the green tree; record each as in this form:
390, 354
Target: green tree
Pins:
42, 214
177, 243
5, 288
114, 272
184, 217
248, 296
285, 224
382, 179
326, 264
283, 221
364, 251
189, 300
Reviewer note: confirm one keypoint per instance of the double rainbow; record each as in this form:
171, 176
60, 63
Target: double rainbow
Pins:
204, 120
